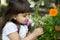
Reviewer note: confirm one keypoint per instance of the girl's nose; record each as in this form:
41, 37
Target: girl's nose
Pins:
27, 17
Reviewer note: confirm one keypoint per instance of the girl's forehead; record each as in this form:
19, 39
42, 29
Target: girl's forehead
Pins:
25, 13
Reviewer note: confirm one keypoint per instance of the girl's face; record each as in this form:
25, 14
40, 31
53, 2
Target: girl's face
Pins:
21, 18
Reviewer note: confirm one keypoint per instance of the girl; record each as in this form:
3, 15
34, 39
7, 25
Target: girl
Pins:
15, 19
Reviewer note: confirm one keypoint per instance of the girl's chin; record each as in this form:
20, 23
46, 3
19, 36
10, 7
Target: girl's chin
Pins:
24, 23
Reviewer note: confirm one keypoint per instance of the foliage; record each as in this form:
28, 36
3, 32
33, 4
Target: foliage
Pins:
48, 23
2, 9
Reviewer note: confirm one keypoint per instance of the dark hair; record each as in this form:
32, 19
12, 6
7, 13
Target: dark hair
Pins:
15, 7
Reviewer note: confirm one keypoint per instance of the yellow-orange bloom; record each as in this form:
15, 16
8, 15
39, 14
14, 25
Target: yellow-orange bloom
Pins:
53, 12
57, 28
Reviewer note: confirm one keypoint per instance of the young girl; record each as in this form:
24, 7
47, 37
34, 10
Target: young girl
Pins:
15, 19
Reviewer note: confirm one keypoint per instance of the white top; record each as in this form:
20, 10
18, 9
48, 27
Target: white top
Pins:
10, 27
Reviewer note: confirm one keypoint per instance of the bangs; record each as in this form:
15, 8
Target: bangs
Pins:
23, 8
18, 7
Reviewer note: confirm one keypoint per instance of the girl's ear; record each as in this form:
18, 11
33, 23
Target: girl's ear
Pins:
14, 17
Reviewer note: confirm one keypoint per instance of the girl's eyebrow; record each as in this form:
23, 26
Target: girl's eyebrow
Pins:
26, 14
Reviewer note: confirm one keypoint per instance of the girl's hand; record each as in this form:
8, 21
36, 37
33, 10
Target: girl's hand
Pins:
38, 31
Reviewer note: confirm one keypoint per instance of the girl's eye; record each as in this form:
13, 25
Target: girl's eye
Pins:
24, 16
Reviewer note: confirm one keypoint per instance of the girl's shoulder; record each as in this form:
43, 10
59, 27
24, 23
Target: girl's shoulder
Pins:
10, 25
9, 28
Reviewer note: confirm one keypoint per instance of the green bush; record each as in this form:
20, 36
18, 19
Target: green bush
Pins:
2, 9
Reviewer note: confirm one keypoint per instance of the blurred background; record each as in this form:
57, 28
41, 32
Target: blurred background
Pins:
44, 7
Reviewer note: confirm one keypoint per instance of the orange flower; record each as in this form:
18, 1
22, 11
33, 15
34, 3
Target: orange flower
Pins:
57, 28
53, 12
